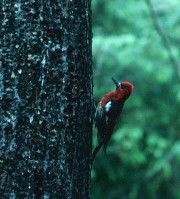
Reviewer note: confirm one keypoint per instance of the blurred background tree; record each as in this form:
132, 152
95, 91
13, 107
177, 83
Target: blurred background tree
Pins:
143, 156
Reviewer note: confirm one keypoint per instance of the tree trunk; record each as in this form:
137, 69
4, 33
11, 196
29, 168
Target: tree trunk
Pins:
45, 99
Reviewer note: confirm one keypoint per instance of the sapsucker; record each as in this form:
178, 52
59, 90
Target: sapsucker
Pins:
108, 111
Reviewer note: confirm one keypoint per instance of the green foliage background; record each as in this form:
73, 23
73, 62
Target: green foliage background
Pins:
143, 157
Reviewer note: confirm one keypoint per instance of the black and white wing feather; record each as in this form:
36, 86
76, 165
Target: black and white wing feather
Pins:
105, 119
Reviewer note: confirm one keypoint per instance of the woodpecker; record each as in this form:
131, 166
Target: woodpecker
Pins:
108, 111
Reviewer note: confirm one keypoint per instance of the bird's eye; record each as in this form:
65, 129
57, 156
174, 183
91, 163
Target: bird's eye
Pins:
122, 86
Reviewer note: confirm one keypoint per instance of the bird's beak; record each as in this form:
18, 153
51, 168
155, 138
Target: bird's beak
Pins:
116, 82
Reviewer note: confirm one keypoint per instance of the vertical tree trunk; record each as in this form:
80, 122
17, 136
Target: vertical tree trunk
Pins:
45, 99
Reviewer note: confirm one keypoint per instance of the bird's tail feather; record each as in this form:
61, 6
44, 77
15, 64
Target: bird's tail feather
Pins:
96, 150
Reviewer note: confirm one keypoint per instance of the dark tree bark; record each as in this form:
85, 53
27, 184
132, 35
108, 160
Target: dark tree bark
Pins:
45, 99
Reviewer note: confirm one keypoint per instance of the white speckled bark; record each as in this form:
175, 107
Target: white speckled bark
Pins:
45, 99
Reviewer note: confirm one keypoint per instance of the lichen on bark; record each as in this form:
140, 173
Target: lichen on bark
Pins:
45, 99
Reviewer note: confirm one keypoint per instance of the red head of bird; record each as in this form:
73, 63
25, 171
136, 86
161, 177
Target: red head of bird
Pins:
123, 89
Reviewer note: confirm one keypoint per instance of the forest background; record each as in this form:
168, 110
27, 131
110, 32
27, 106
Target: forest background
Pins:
133, 43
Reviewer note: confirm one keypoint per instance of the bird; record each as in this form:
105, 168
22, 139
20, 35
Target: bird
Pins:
107, 112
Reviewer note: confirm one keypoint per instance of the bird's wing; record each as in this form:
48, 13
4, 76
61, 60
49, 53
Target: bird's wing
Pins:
105, 120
